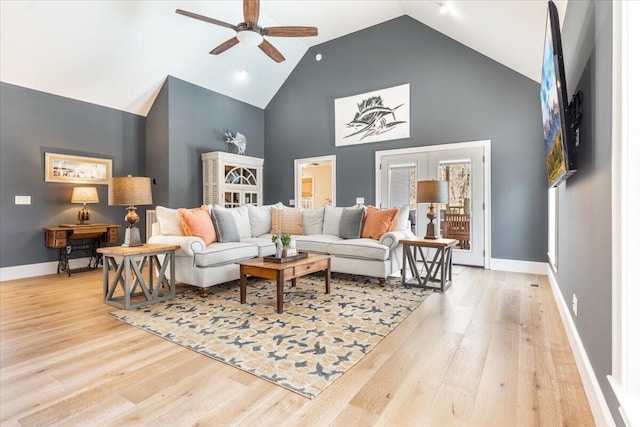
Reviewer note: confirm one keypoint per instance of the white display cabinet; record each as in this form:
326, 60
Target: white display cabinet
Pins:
231, 180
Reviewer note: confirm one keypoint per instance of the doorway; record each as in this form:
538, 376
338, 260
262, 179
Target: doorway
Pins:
466, 217
315, 179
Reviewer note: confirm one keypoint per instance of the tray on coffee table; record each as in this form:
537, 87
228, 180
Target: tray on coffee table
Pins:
299, 255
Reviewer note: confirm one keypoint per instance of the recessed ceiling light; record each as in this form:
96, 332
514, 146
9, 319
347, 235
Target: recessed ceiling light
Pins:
319, 57
444, 8
241, 75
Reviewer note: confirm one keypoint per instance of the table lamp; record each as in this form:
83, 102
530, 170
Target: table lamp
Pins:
84, 195
129, 191
432, 192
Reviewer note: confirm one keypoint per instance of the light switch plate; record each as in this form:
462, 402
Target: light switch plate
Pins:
23, 200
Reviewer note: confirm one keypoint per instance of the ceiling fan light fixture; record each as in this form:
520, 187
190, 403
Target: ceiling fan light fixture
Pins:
249, 37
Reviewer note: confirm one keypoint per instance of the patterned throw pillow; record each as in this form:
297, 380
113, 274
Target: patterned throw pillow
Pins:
378, 221
286, 220
198, 222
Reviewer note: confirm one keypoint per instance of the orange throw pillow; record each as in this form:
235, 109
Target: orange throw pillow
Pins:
197, 222
378, 221
287, 220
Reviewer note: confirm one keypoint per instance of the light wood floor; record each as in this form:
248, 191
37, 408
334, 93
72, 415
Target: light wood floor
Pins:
491, 351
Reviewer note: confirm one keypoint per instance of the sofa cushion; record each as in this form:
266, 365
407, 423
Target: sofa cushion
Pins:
312, 220
260, 218
378, 221
331, 224
225, 253
351, 222
198, 222
240, 216
225, 225
401, 223
315, 243
169, 221
286, 220
265, 245
359, 248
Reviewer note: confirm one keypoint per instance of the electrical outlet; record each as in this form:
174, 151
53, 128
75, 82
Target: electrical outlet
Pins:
575, 305
292, 202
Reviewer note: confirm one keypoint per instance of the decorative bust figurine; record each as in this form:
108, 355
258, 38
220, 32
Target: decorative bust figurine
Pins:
278, 242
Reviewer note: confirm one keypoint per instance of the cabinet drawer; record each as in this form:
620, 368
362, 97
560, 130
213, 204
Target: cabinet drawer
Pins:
112, 235
310, 268
56, 239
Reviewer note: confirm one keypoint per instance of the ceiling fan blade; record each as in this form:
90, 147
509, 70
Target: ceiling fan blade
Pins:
251, 9
290, 31
271, 51
206, 19
224, 46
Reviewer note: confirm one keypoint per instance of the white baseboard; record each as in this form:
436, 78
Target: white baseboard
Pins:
516, 266
40, 269
599, 408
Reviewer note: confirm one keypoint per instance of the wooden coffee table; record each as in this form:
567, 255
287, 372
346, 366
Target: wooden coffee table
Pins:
281, 272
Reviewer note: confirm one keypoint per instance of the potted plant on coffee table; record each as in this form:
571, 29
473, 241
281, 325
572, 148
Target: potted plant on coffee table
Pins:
282, 242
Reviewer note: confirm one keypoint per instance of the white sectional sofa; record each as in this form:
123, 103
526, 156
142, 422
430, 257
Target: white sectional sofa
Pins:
245, 233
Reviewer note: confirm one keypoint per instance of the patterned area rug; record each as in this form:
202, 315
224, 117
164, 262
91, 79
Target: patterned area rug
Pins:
316, 340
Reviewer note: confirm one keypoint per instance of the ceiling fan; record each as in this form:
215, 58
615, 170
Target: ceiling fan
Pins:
250, 33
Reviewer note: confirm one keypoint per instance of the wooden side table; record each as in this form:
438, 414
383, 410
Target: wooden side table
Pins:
72, 238
441, 262
128, 275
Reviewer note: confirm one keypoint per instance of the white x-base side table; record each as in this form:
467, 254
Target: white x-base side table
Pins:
128, 289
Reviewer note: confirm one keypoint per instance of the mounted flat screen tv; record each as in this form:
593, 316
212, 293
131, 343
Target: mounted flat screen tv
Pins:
559, 143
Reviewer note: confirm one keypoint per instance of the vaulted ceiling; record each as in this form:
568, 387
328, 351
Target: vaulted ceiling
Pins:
118, 53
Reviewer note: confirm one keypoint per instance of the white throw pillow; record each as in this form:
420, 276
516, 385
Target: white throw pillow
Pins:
241, 218
401, 223
169, 221
312, 220
331, 223
260, 218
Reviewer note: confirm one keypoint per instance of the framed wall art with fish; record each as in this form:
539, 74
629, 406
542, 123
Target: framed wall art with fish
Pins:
381, 115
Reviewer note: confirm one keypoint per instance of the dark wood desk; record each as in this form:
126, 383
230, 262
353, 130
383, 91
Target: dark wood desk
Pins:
441, 262
86, 238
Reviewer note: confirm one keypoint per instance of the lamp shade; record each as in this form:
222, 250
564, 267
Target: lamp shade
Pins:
435, 192
84, 195
130, 190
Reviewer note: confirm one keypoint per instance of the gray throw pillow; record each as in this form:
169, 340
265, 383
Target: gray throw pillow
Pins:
351, 223
225, 225
312, 220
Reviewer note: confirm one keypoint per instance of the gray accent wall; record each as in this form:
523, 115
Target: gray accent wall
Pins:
584, 244
185, 121
33, 123
457, 95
